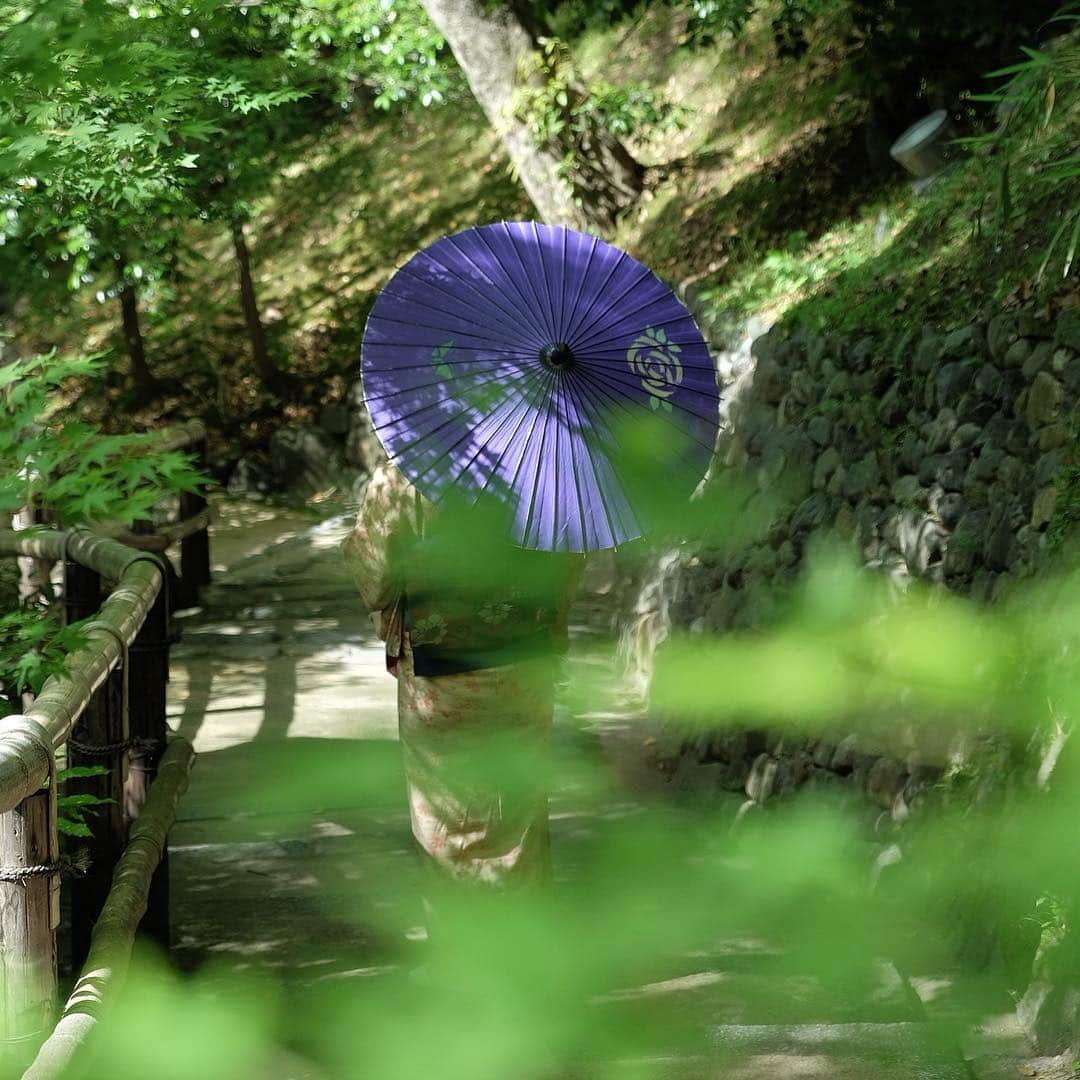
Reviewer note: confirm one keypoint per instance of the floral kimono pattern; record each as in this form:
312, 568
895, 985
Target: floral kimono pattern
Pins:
474, 742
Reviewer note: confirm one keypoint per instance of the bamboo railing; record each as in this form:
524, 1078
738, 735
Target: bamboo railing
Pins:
109, 710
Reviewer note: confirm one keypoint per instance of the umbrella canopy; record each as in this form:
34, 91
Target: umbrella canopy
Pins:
520, 359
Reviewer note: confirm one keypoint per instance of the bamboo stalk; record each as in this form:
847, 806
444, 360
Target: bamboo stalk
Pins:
162, 536
100, 724
138, 579
110, 949
99, 553
149, 672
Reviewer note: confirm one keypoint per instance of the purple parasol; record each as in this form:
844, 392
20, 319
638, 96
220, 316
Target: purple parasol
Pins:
510, 358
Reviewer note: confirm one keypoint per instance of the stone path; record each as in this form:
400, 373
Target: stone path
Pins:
292, 855
281, 686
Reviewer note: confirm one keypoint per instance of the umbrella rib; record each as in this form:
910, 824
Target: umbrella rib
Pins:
571, 398
493, 359
549, 330
426, 386
599, 423
628, 382
624, 377
508, 325
564, 447
613, 518
407, 416
379, 317
513, 319
518, 406
491, 372
536, 415
431, 431
582, 278
586, 330
539, 459
547, 284
633, 527
544, 309
581, 316
609, 330
525, 311
511, 322
598, 538
600, 387
513, 315
422, 408
471, 431
562, 287
616, 357
521, 461
556, 401
383, 425
536, 329
567, 432
599, 328
621, 402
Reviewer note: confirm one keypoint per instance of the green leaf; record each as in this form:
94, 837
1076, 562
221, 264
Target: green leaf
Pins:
28, 147
1043, 59
1058, 233
127, 135
85, 799
72, 828
78, 772
1070, 254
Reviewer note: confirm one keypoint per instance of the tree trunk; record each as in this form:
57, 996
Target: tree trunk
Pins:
489, 46
270, 375
141, 378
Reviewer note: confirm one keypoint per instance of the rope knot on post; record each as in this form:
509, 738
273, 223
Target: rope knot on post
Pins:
72, 865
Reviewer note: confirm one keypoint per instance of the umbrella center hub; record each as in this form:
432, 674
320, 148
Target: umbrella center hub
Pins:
557, 357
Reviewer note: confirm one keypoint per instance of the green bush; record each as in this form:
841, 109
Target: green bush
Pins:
67, 466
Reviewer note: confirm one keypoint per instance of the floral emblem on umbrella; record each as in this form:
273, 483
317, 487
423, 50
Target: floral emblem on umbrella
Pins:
655, 361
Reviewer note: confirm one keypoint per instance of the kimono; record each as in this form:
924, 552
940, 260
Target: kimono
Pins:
475, 732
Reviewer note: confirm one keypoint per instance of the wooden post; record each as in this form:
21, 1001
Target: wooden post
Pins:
149, 657
194, 549
97, 739
110, 955
29, 908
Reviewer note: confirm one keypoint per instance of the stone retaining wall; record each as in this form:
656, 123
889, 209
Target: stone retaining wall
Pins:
945, 457
939, 456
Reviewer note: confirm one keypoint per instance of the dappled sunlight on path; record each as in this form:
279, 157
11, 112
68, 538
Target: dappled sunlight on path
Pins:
281, 685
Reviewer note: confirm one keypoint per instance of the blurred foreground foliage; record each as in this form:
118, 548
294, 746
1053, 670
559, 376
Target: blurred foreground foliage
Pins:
666, 919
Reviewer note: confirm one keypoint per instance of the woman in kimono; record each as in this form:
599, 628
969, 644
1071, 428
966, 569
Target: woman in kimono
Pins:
474, 629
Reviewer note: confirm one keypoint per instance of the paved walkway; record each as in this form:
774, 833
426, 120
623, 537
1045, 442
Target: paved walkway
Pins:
293, 856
